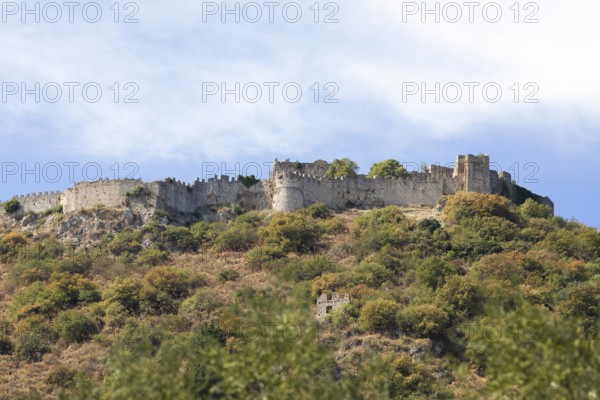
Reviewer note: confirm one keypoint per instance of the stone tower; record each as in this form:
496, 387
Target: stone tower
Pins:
474, 173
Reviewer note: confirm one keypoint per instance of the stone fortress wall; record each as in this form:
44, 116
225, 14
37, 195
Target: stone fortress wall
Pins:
175, 196
38, 202
292, 185
294, 189
102, 193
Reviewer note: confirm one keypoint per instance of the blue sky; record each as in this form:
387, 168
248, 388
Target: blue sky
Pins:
370, 57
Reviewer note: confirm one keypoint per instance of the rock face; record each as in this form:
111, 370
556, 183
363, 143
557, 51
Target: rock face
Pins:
80, 228
291, 186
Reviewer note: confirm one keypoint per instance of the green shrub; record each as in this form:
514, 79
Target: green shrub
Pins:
424, 320
376, 229
125, 243
64, 291
379, 316
464, 205
156, 302
293, 232
548, 356
253, 218
207, 232
179, 238
343, 316
56, 209
532, 234
477, 236
460, 295
152, 257
429, 225
154, 227
115, 315
387, 169
575, 241
51, 248
248, 181
318, 210
371, 274
197, 366
136, 338
495, 229
238, 236
390, 215
139, 191
412, 380
513, 267
12, 242
30, 271
340, 168
227, 275
73, 326
6, 344
264, 257
72, 266
532, 209
206, 300
163, 289
36, 299
126, 292
308, 269
432, 273
333, 226
31, 394
12, 206
469, 244
582, 301
173, 281
62, 377
34, 339
77, 289
328, 282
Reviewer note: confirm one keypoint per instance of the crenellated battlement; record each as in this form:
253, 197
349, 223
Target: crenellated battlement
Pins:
39, 202
292, 185
37, 195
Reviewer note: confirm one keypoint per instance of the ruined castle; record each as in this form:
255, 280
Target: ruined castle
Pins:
326, 306
291, 186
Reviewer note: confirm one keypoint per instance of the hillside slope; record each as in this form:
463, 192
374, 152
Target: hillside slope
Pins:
483, 301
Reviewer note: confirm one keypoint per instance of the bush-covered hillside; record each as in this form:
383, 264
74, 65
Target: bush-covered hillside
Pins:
493, 301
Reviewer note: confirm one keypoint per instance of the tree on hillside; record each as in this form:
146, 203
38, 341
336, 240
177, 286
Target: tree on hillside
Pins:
387, 169
530, 353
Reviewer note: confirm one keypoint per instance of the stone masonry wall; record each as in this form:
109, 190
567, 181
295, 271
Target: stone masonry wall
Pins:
292, 185
176, 196
293, 191
474, 172
37, 202
106, 193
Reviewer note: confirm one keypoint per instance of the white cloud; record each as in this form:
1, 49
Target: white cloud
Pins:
370, 53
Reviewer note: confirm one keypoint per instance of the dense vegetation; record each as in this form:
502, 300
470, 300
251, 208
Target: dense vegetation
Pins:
496, 301
387, 169
340, 168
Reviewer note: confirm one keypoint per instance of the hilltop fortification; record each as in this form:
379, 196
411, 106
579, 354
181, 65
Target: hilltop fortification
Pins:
292, 185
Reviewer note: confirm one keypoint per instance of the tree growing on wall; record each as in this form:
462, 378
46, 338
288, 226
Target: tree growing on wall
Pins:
248, 181
12, 206
342, 168
387, 169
